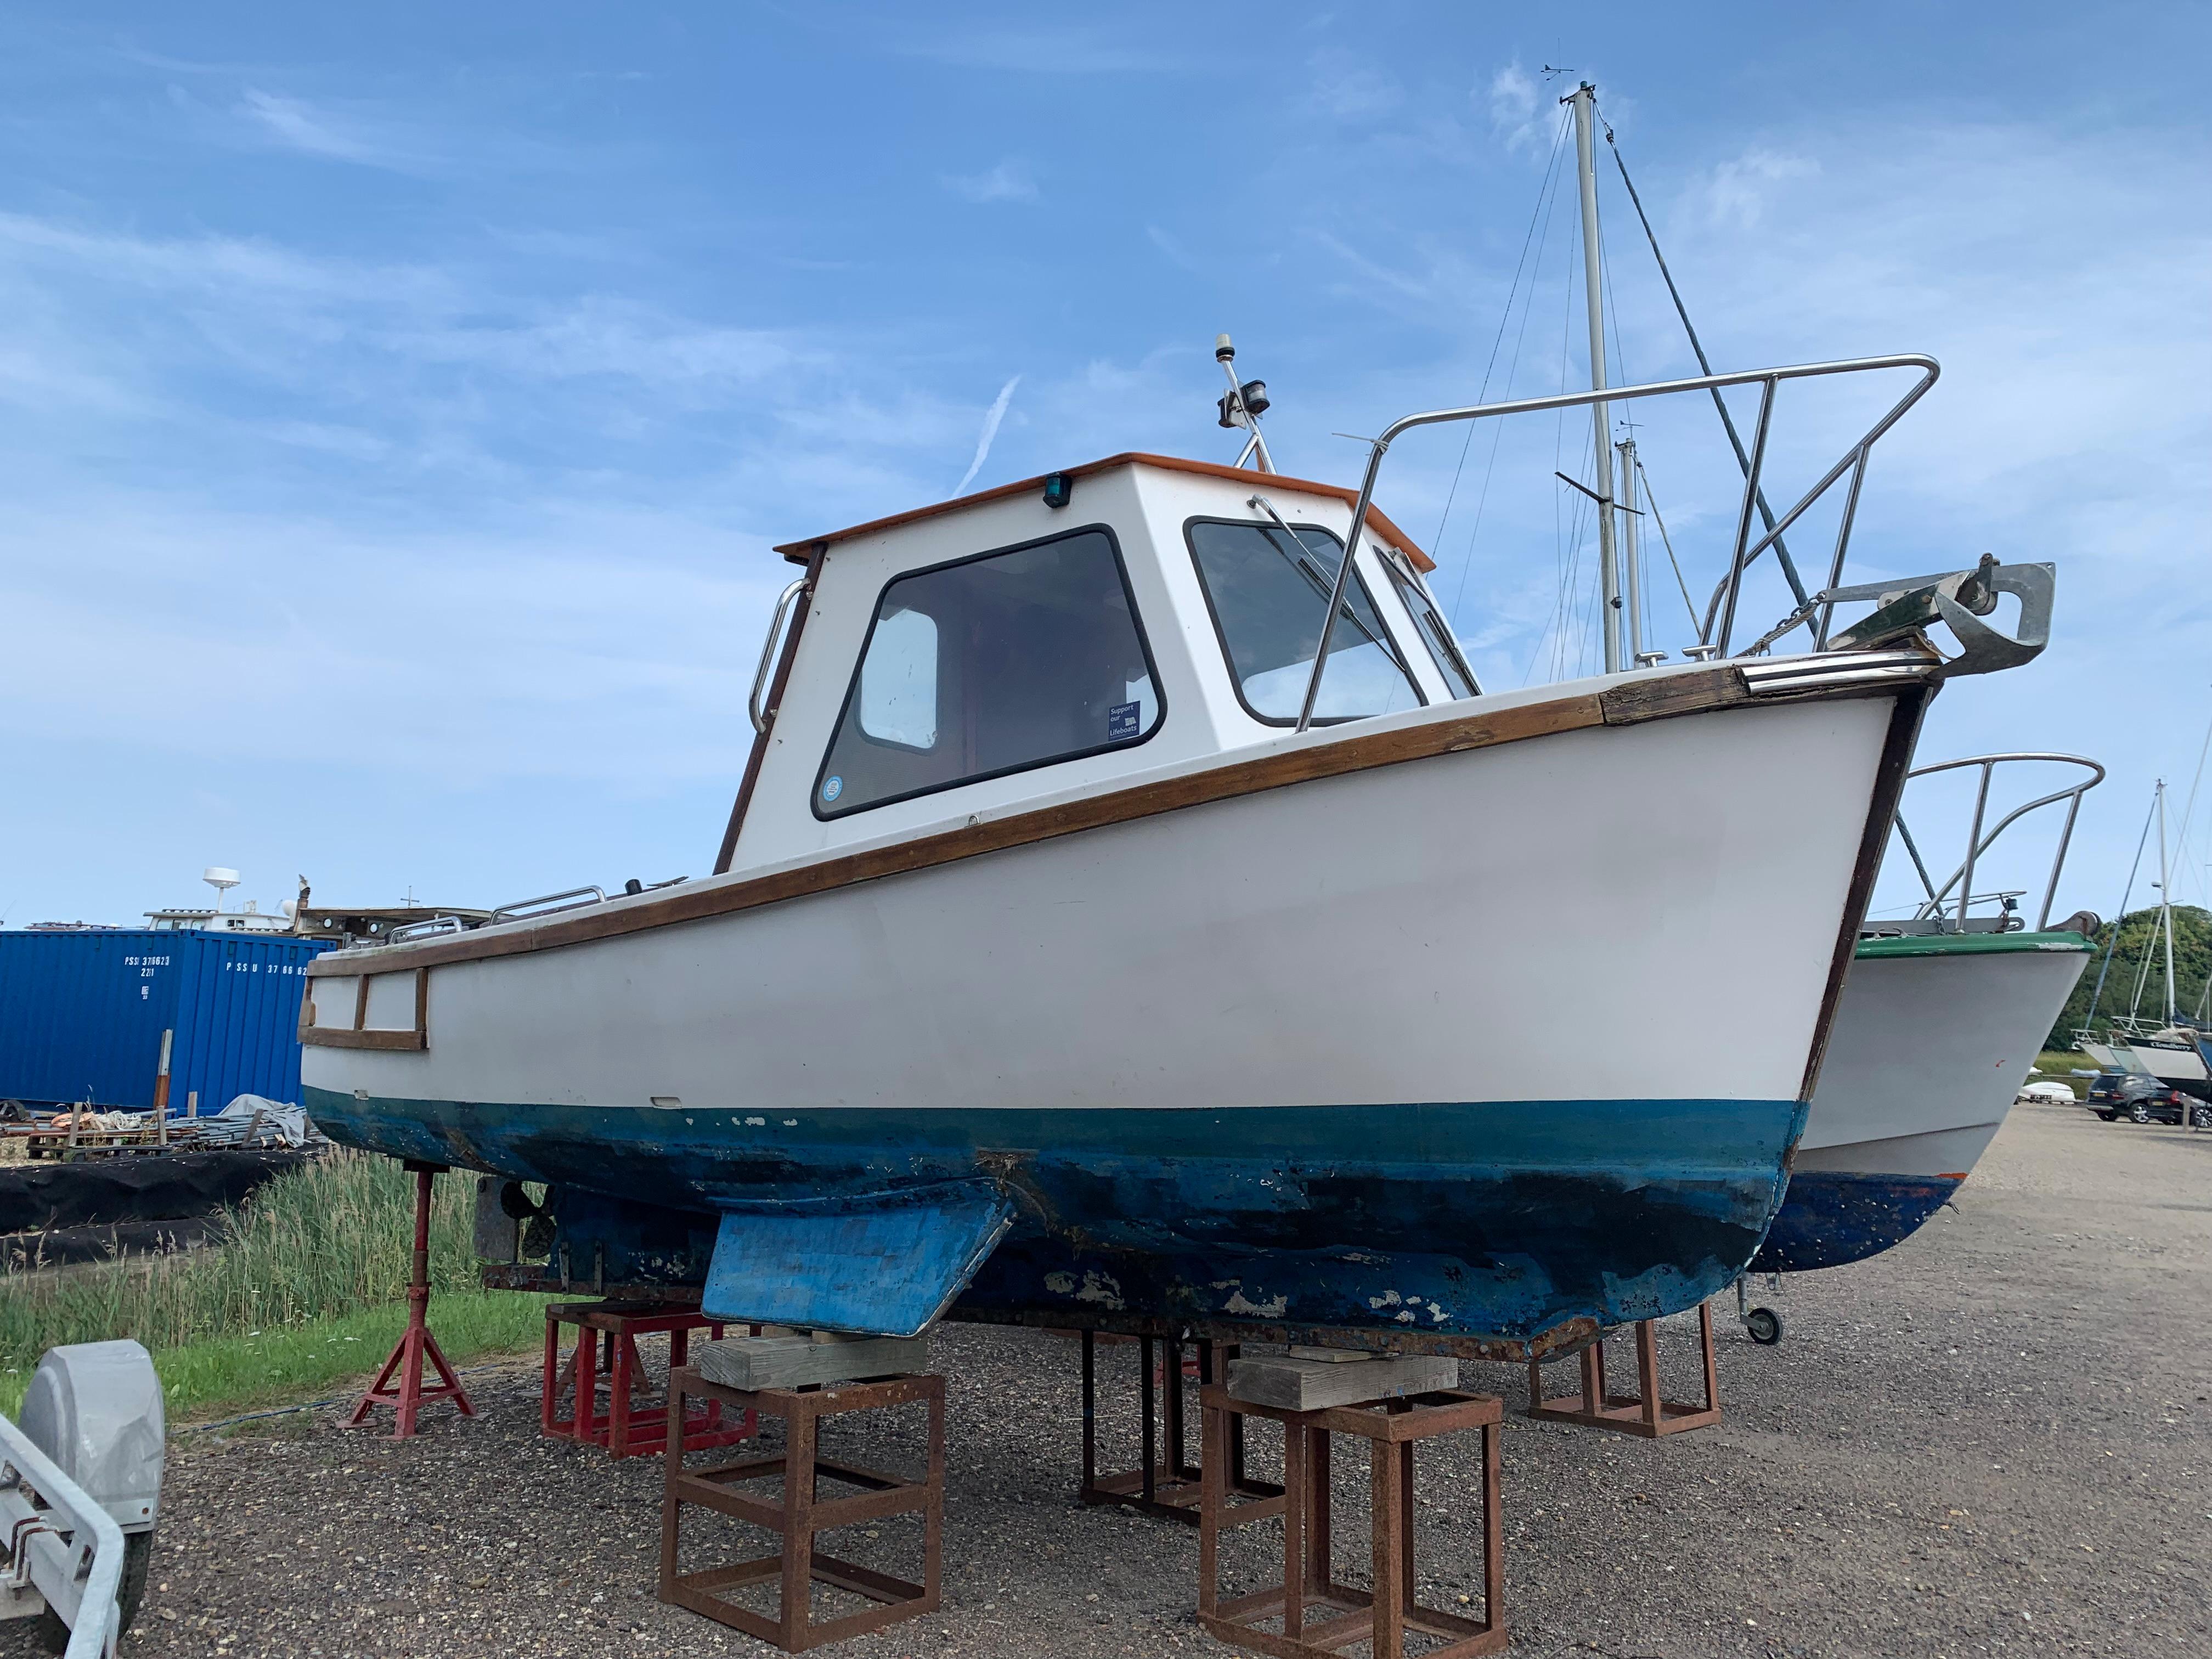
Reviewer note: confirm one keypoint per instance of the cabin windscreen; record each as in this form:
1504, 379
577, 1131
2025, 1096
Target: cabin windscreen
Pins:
990, 665
1435, 632
1267, 591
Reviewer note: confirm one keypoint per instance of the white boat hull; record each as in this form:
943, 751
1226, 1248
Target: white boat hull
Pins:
1266, 1056
1933, 1039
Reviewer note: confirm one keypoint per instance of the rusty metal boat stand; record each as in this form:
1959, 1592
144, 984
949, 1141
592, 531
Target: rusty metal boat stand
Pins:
606, 1339
801, 1512
1319, 1617
406, 1395
1644, 1414
1166, 1484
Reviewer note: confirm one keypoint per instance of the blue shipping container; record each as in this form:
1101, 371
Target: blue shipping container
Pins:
81, 1016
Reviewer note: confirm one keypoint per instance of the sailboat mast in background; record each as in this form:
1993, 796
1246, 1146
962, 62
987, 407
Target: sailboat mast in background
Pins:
2166, 904
1585, 99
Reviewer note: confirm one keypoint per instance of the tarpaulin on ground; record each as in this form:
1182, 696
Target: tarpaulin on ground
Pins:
41, 1193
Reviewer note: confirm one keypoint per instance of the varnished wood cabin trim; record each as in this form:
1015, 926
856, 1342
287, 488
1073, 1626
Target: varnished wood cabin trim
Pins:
325, 1037
800, 552
758, 758
1479, 728
361, 1035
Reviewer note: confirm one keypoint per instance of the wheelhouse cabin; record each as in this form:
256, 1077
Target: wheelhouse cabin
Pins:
1070, 633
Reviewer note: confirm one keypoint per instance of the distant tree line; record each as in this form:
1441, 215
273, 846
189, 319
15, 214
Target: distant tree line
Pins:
2140, 937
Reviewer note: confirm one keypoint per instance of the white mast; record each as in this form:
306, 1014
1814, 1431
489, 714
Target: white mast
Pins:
2165, 902
1585, 102
1631, 531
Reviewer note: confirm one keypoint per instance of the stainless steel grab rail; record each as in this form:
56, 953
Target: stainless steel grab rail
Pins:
425, 928
1854, 460
550, 904
768, 654
1977, 844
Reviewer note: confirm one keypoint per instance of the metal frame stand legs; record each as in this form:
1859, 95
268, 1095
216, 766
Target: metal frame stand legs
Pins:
1165, 1483
1646, 1414
415, 1343
1308, 1588
629, 1427
801, 1512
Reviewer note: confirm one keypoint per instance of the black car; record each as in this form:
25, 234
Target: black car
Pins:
2104, 1094
2141, 1099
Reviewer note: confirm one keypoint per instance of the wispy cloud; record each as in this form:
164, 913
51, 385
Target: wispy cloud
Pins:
1348, 89
297, 125
1737, 194
602, 336
998, 413
1374, 275
1177, 255
1516, 113
1070, 50
1009, 181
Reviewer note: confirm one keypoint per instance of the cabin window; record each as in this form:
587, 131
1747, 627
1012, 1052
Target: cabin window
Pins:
1435, 632
991, 664
1267, 593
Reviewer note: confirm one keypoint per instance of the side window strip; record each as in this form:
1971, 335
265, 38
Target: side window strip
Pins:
1435, 632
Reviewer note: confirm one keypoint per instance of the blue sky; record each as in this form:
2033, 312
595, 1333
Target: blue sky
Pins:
397, 409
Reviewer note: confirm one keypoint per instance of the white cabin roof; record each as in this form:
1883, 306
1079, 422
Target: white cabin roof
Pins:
801, 552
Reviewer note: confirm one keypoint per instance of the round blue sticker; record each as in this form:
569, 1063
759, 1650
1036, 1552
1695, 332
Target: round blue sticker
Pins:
832, 788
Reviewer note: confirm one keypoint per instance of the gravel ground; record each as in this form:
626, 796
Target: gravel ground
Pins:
1995, 1439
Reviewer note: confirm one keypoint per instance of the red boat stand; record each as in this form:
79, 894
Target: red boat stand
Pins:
417, 1343
627, 1428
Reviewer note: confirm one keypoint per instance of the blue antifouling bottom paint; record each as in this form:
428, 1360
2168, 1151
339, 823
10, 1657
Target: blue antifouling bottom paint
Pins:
1831, 1220
1494, 1220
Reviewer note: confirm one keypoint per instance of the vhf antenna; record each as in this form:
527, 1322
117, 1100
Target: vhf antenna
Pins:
1243, 406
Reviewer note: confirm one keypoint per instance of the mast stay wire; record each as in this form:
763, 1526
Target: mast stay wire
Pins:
1666, 541
2126, 893
2142, 971
1562, 569
1704, 365
2181, 842
1504, 318
1620, 356
1512, 372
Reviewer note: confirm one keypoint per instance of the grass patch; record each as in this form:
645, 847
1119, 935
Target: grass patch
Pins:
2058, 1065
319, 1256
305, 1361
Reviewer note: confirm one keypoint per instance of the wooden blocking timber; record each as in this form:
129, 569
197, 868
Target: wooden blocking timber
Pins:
752, 1363
1292, 1382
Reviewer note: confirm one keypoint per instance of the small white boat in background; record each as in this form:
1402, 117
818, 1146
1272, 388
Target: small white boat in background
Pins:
1942, 1018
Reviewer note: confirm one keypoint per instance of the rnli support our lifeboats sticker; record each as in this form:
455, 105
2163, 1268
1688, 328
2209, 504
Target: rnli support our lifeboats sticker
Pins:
1121, 721
832, 786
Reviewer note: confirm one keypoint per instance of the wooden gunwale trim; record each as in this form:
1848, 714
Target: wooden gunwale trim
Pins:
800, 552
1723, 687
